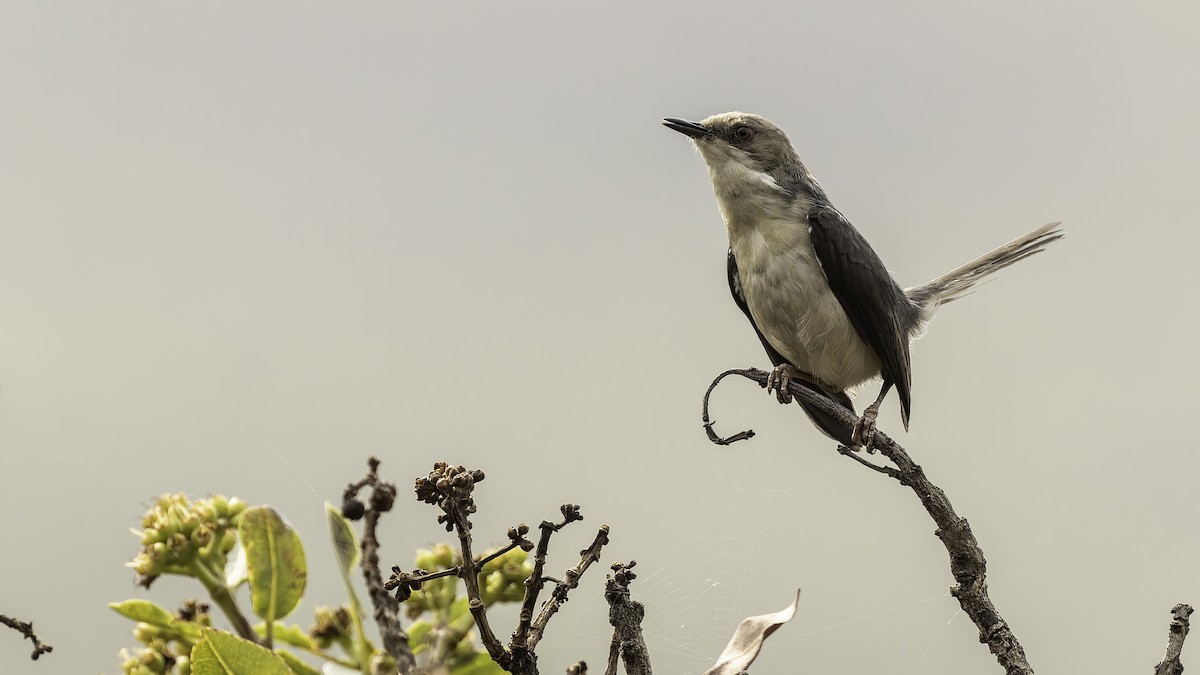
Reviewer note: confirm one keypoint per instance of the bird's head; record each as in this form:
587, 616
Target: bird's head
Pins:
746, 152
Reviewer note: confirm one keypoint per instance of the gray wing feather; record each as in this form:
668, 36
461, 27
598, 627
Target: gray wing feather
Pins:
881, 313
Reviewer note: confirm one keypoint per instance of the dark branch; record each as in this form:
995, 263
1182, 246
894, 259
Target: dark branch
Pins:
458, 484
587, 556
885, 470
387, 609
26, 629
1175, 637
420, 577
614, 653
625, 615
967, 563
450, 488
708, 422
534, 583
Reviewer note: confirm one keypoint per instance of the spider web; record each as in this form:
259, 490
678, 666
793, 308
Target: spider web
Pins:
712, 579
697, 598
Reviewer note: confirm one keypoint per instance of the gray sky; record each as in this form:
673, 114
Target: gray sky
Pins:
241, 248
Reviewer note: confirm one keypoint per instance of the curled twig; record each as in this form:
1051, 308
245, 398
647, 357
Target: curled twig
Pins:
708, 422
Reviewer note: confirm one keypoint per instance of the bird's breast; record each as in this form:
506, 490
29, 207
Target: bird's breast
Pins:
792, 303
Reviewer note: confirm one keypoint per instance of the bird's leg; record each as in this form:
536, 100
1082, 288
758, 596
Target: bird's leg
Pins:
864, 430
781, 376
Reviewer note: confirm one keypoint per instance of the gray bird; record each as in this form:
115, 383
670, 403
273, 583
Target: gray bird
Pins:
825, 307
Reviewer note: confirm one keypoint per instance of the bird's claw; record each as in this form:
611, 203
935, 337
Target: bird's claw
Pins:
864, 429
779, 379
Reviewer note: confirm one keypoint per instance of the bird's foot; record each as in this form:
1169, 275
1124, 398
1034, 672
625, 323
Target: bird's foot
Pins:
780, 377
864, 429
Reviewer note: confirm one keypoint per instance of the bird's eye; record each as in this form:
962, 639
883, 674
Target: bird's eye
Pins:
743, 133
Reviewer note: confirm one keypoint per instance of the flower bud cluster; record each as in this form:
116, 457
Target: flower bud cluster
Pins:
449, 487
333, 624
175, 532
154, 659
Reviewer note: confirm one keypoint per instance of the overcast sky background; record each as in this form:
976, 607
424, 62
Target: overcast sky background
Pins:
244, 246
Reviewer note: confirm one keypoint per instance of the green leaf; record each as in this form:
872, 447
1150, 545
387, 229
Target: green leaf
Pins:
219, 653
481, 664
345, 549
298, 667
274, 560
143, 610
345, 545
293, 635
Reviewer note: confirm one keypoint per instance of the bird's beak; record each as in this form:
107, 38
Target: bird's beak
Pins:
687, 127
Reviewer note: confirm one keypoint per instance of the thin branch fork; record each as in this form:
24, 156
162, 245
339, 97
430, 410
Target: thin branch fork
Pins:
457, 570
535, 582
450, 488
967, 563
25, 628
587, 557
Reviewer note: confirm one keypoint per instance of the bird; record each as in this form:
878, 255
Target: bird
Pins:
821, 301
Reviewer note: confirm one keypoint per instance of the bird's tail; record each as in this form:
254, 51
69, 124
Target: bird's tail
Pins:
957, 283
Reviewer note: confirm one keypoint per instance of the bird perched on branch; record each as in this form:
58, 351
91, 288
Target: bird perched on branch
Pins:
822, 302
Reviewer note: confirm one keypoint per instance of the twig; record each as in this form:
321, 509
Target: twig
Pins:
708, 422
967, 563
1176, 635
457, 570
625, 615
529, 630
885, 470
25, 628
587, 556
524, 638
450, 488
387, 608
535, 582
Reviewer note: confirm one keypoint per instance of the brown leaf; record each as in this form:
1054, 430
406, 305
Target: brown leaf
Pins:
747, 640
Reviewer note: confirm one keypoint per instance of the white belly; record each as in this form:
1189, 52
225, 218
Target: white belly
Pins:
793, 306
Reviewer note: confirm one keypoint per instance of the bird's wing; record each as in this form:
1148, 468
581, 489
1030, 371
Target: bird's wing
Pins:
882, 315
827, 424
